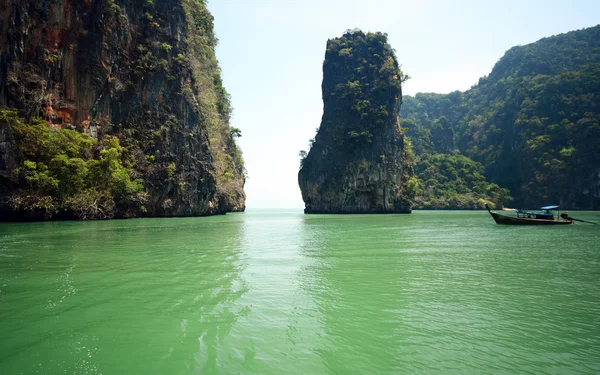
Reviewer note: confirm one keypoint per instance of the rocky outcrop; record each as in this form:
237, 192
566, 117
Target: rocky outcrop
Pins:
142, 71
359, 161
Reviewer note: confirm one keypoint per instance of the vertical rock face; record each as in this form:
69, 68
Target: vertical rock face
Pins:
359, 161
141, 71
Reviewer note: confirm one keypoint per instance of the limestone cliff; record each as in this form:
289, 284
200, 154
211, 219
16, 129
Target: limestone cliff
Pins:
141, 79
359, 161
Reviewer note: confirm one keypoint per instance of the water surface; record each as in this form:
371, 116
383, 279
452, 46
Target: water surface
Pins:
275, 292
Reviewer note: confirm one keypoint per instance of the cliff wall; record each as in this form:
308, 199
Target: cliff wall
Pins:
142, 72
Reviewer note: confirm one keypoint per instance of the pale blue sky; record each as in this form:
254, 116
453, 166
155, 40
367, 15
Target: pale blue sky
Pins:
271, 54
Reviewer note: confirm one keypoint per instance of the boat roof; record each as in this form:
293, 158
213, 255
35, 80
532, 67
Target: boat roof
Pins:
548, 207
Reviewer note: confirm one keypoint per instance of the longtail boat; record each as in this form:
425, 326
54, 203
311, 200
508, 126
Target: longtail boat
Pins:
524, 217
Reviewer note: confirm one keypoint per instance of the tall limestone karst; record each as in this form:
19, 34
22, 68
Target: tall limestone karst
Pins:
114, 108
359, 161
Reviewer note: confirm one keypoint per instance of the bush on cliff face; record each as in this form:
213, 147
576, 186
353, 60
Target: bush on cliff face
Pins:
446, 179
66, 172
451, 181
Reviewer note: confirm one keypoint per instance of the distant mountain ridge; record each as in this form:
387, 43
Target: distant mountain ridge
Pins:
533, 123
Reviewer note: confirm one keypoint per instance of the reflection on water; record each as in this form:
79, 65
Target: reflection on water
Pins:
209, 316
282, 292
280, 326
355, 283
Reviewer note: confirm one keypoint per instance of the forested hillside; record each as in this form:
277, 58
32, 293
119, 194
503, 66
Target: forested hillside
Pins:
533, 123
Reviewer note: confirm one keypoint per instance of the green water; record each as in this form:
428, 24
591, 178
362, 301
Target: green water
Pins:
275, 292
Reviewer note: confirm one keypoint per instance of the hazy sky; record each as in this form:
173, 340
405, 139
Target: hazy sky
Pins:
271, 53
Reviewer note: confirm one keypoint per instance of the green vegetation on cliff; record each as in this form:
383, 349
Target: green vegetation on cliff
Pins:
446, 179
363, 79
450, 181
533, 123
213, 100
64, 171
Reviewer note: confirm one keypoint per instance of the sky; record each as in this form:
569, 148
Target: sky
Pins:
271, 54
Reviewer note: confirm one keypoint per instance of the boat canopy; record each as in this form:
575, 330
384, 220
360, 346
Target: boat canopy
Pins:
548, 207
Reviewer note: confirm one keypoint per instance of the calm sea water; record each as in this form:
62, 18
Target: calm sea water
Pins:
276, 292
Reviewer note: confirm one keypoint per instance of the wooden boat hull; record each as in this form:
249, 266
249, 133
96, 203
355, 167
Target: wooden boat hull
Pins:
512, 220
